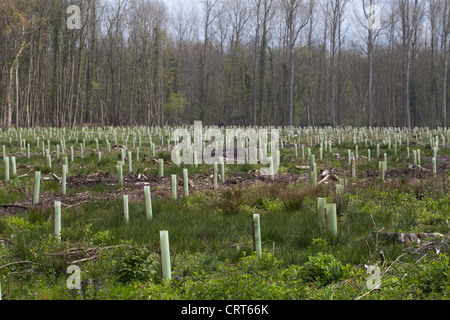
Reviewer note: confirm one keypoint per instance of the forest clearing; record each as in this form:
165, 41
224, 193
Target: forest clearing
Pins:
233, 232
320, 170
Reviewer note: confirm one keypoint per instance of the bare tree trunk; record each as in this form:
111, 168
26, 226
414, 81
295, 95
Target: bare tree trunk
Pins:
258, 4
9, 91
369, 80
446, 29
292, 10
444, 87
409, 21
332, 92
17, 95
291, 86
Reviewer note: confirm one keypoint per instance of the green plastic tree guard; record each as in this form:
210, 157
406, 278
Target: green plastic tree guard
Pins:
126, 214
37, 185
257, 227
14, 167
64, 179
222, 169
313, 178
174, 187
271, 170
195, 159
185, 182
331, 218
148, 202
49, 160
312, 159
215, 175
381, 169
6, 161
58, 219
130, 162
119, 174
160, 168
165, 254
320, 212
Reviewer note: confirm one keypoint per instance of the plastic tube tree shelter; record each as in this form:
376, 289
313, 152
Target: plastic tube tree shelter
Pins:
14, 167
257, 235
148, 202
331, 218
64, 179
271, 169
6, 160
37, 185
130, 162
215, 175
320, 210
165, 255
160, 168
126, 214
119, 168
174, 187
57, 227
195, 159
381, 169
222, 169
434, 165
353, 168
313, 176
185, 182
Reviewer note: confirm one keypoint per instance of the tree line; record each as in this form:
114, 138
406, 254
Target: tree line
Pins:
230, 62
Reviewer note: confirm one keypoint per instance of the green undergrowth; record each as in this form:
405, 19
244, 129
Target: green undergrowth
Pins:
210, 232
211, 247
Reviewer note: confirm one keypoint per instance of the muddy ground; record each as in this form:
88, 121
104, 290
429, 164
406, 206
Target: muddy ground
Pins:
161, 186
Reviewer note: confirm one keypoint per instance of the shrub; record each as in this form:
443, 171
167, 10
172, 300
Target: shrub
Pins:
434, 277
266, 261
136, 265
103, 238
269, 204
323, 269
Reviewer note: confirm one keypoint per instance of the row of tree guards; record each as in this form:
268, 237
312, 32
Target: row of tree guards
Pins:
382, 168
326, 214
322, 136
325, 144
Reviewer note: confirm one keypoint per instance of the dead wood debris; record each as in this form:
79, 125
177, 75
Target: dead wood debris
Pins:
82, 255
400, 237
